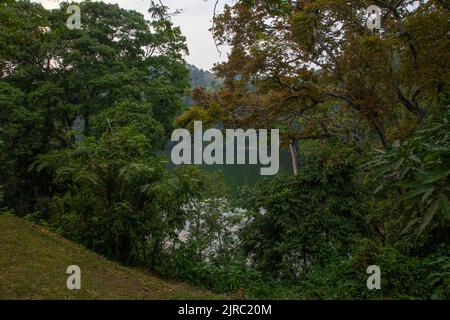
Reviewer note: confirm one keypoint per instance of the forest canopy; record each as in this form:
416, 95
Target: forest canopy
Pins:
86, 116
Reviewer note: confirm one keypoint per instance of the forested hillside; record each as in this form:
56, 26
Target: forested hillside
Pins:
203, 78
363, 115
34, 262
199, 78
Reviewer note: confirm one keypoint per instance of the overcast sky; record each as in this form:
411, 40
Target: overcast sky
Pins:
195, 22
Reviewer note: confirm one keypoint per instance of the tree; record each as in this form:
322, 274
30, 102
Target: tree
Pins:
117, 65
116, 197
301, 222
307, 65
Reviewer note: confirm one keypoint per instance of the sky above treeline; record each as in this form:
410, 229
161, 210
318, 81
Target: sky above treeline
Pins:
195, 22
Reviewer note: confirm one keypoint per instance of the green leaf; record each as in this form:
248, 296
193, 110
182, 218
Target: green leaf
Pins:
408, 226
438, 175
445, 206
431, 212
414, 193
378, 189
399, 164
415, 158
427, 194
408, 184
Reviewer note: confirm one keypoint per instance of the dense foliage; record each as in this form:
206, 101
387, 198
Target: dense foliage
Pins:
86, 115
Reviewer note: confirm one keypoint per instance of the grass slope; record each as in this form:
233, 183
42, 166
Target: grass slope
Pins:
33, 263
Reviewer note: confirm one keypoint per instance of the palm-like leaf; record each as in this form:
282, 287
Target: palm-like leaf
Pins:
419, 168
158, 11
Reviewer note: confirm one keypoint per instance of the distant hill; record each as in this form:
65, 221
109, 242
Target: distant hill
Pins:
203, 78
33, 263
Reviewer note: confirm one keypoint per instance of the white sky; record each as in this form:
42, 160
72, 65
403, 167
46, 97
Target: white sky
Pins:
195, 22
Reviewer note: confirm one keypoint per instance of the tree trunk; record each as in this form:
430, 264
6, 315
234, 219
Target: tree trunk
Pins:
410, 106
294, 157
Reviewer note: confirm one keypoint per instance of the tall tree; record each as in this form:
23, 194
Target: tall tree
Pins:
117, 64
309, 66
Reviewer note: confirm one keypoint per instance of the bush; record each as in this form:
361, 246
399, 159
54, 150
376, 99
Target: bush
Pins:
299, 222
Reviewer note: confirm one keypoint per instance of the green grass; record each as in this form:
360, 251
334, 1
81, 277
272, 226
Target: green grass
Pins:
33, 263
